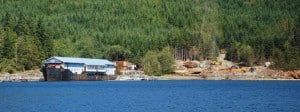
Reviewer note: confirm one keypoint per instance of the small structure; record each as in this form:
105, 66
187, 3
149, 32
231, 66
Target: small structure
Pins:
125, 65
68, 68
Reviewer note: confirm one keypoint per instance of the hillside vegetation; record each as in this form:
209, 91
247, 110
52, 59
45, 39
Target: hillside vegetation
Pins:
251, 31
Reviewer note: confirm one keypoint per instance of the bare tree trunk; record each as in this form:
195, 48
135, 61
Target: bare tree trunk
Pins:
182, 54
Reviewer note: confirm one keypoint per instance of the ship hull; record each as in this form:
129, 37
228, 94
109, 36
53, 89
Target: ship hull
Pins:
58, 74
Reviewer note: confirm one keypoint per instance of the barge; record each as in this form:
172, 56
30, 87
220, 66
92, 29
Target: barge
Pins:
77, 69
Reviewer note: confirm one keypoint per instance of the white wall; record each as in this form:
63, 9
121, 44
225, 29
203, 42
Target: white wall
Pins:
110, 71
95, 68
74, 67
79, 68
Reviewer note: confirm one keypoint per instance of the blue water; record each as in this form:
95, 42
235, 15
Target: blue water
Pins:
151, 96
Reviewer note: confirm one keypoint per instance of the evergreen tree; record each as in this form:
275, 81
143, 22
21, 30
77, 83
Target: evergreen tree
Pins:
98, 46
7, 51
1, 42
209, 30
28, 54
22, 27
8, 22
88, 48
9, 45
246, 55
278, 59
66, 28
117, 53
7, 65
150, 63
167, 61
291, 57
45, 40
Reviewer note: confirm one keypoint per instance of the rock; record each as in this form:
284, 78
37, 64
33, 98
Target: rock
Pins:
267, 64
190, 64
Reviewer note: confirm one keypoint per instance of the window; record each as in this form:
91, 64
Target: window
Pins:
110, 66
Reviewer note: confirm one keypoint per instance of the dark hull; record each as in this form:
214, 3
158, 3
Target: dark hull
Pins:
55, 74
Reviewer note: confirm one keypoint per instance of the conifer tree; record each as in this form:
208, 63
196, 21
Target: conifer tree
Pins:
150, 63
9, 45
45, 40
28, 54
143, 26
1, 42
246, 55
209, 30
22, 27
117, 53
8, 22
167, 61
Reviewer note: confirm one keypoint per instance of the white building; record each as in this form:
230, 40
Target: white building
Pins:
81, 65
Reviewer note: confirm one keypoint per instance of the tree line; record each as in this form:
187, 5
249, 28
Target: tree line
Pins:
252, 32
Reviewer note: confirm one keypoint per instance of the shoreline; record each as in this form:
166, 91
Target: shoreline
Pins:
36, 76
192, 77
26, 76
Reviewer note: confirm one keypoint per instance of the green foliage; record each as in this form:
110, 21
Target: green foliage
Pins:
7, 65
279, 59
151, 65
45, 41
9, 45
266, 26
117, 53
28, 55
1, 42
209, 30
8, 22
87, 48
167, 61
158, 63
22, 27
127, 30
246, 55
21, 46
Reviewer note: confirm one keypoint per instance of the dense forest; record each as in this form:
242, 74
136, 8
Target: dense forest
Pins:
250, 31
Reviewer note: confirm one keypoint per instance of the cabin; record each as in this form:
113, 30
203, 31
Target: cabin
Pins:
80, 65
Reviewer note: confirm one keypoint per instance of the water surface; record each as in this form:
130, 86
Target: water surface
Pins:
151, 96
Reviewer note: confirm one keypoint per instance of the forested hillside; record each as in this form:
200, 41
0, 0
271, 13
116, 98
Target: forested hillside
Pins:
251, 31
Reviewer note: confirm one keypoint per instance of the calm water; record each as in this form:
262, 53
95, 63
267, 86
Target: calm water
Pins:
151, 96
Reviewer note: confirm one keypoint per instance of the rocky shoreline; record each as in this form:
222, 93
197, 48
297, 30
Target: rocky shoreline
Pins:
222, 69
220, 77
237, 74
261, 73
27, 76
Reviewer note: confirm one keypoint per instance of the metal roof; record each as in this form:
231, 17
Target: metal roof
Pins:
86, 61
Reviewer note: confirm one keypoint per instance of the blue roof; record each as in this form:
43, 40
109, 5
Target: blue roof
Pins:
86, 61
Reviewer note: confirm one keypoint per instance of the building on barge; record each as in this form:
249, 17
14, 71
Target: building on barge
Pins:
68, 69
